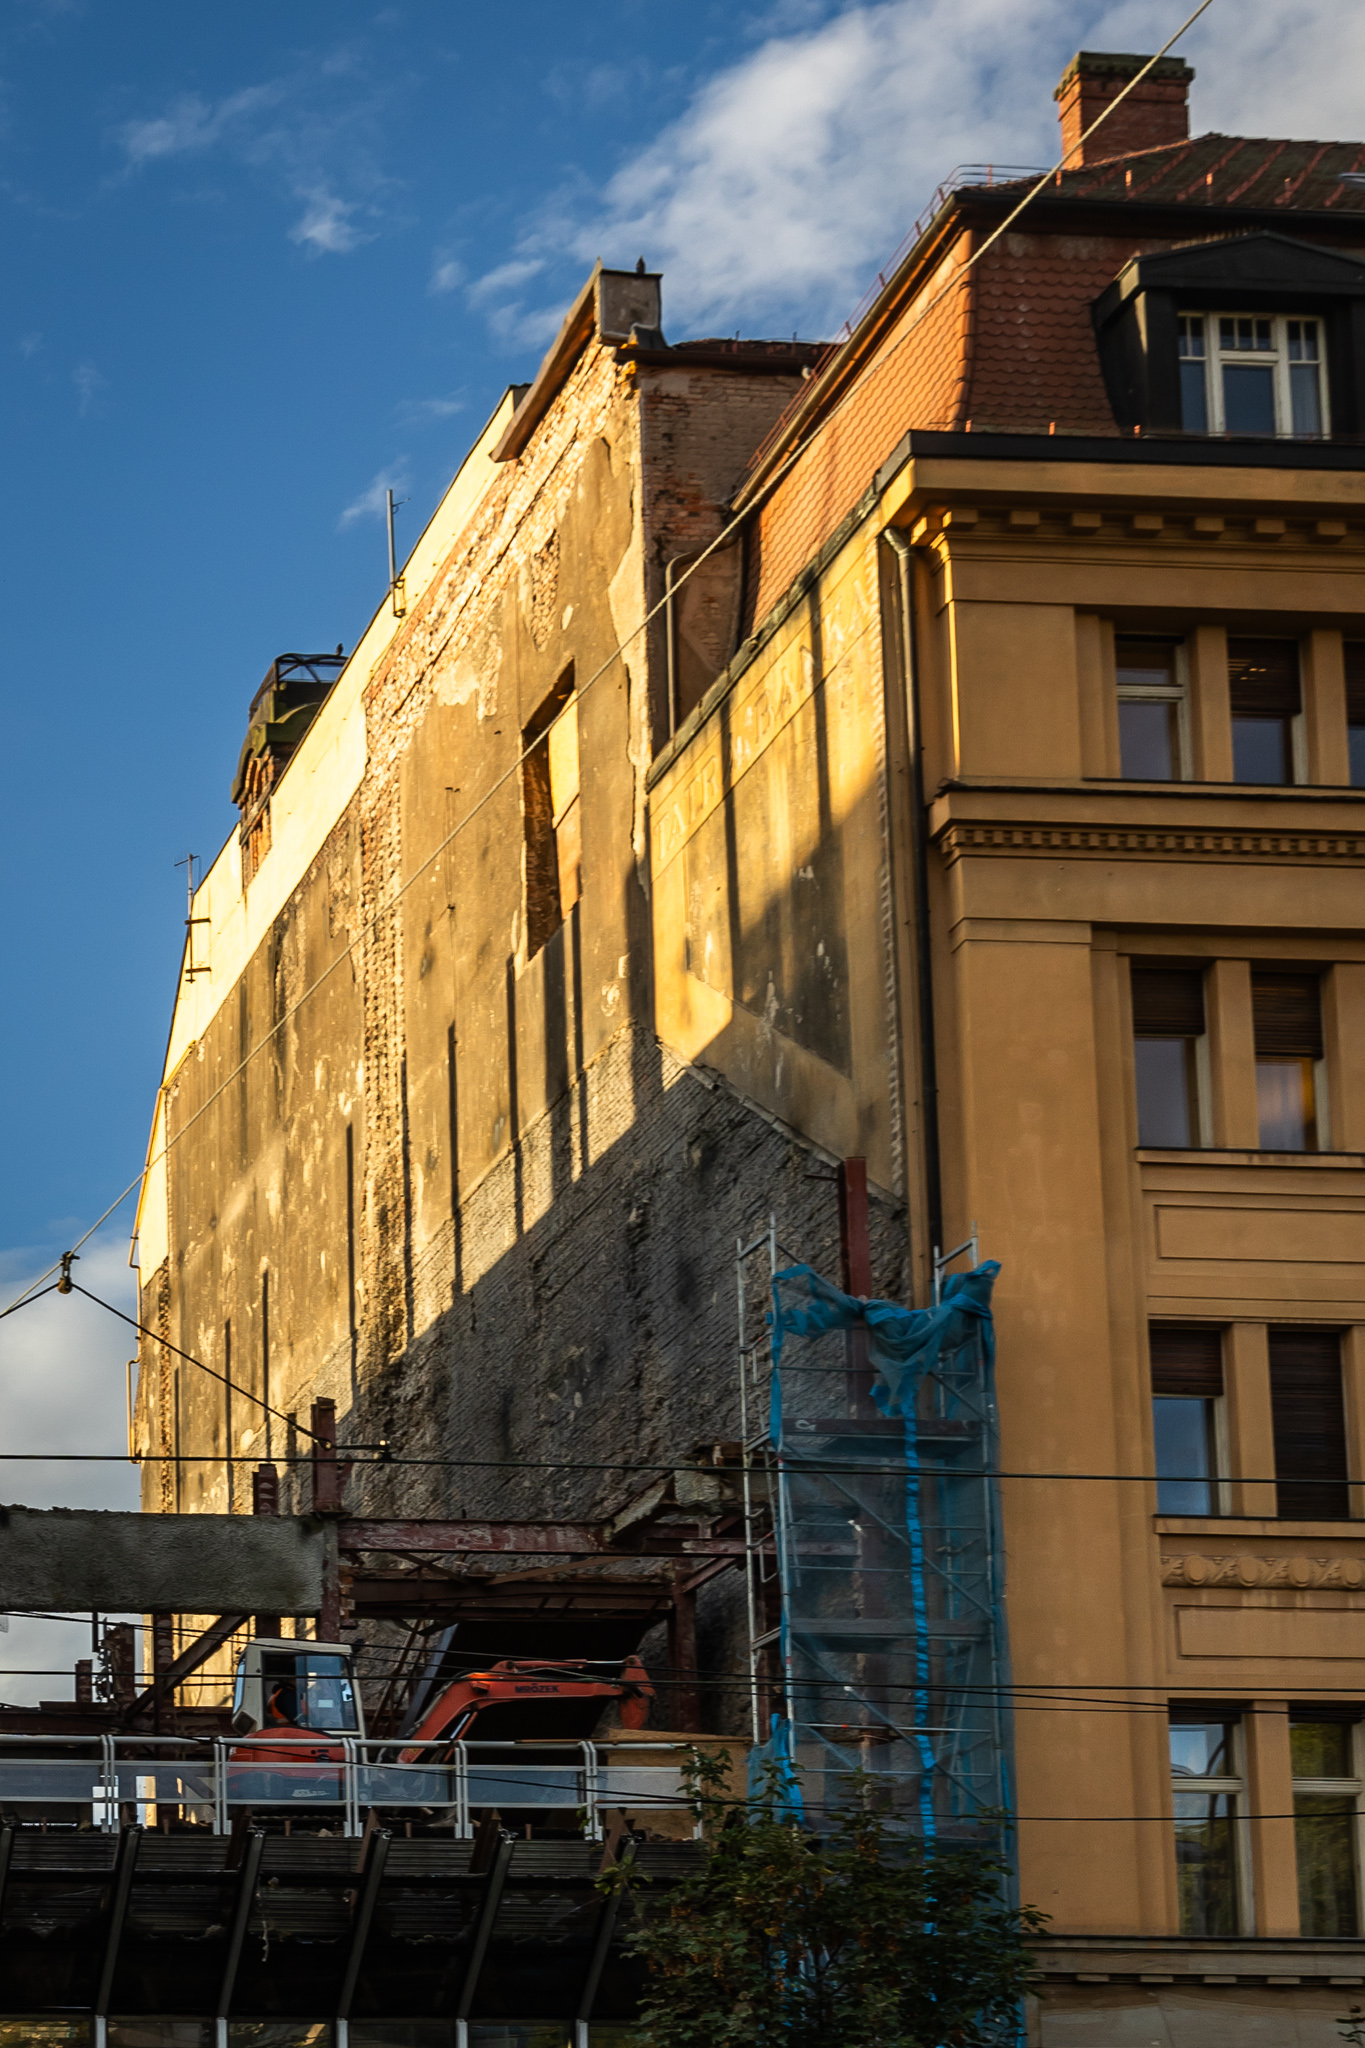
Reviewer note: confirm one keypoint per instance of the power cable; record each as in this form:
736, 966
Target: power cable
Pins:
763, 490
233, 1386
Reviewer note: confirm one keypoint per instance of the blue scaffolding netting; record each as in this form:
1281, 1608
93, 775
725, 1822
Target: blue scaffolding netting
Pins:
890, 1565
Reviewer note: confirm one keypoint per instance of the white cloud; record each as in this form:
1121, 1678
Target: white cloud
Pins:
327, 224
191, 123
421, 412
372, 502
28, 345
446, 275
63, 1387
89, 383
794, 173
315, 134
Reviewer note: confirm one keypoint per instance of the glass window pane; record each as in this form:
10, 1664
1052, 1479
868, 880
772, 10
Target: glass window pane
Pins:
1206, 1863
1284, 1105
1305, 398
1147, 739
1194, 397
1260, 750
1357, 736
1248, 398
1201, 1749
1145, 664
1184, 1454
1165, 1090
1321, 1749
1324, 1843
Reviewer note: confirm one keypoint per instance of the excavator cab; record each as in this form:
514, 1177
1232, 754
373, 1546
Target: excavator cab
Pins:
296, 1690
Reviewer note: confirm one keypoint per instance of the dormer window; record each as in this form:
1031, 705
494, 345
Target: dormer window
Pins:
1258, 337
1251, 373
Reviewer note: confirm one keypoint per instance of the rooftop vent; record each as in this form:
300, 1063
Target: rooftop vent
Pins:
281, 712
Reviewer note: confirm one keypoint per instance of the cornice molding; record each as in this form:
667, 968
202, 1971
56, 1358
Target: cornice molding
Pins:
1101, 842
1295, 1574
942, 528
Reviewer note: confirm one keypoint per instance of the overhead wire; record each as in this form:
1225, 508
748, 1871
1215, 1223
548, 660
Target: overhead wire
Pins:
763, 491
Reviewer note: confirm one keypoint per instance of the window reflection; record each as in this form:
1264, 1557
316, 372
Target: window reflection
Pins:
1286, 1105
1326, 1823
1185, 1460
1205, 1826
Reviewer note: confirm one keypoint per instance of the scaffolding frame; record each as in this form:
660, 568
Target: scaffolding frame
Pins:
874, 1560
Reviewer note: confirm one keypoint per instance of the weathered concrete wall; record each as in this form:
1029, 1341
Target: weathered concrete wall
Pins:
88, 1561
461, 1187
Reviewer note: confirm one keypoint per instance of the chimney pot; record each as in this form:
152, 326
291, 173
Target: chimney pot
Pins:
1154, 115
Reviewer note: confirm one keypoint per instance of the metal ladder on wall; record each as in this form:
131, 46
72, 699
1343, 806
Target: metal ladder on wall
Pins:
755, 1265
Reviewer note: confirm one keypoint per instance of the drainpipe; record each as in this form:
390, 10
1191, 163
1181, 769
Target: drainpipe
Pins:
671, 635
919, 885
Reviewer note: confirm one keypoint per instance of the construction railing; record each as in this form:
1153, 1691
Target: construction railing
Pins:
103, 1781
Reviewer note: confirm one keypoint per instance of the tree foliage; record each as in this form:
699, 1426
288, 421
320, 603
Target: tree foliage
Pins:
854, 1937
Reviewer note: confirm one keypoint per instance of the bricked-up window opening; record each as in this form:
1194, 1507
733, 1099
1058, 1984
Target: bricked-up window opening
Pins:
1355, 709
1168, 1033
255, 846
1252, 373
1308, 1414
1325, 1750
552, 814
1152, 745
1290, 1083
1263, 685
1207, 1792
1187, 1387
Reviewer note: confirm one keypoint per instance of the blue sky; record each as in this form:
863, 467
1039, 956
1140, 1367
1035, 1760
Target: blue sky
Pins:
262, 260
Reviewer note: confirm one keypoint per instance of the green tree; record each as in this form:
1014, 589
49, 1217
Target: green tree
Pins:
854, 1937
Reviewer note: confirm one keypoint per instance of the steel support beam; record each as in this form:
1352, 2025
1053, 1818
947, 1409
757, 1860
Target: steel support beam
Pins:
241, 1914
606, 1927
483, 1931
125, 1863
531, 1539
198, 1652
361, 1921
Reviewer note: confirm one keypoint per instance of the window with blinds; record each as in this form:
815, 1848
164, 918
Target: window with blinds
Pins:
1187, 1384
1168, 1023
1311, 1471
1287, 1018
1263, 688
1355, 709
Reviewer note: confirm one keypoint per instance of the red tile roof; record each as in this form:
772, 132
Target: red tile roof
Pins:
1222, 170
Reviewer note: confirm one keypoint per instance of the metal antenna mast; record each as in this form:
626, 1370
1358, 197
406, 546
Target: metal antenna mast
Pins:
191, 967
397, 588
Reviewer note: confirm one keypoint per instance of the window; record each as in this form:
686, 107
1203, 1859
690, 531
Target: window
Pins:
1152, 745
1355, 709
1326, 1822
1290, 1084
1187, 1388
1251, 373
550, 806
1263, 686
1206, 1786
1168, 1033
1309, 1422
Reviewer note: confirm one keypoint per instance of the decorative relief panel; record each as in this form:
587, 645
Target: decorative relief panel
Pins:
1293, 1573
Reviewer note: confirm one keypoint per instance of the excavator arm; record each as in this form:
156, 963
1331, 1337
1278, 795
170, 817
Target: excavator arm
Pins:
454, 1714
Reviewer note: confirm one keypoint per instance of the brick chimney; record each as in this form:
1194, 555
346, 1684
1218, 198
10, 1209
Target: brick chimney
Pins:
1155, 113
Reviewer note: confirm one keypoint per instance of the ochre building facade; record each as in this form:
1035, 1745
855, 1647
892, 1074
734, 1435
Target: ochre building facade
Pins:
989, 808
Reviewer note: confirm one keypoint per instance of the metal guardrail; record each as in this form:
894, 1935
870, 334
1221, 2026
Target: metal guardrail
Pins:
209, 1781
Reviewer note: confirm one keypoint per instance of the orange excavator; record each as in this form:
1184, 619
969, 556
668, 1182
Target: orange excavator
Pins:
291, 1696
